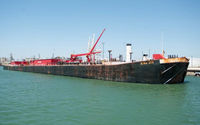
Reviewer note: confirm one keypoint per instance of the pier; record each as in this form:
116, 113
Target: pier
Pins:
192, 71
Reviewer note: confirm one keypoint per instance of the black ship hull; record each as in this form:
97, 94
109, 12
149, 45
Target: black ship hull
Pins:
152, 71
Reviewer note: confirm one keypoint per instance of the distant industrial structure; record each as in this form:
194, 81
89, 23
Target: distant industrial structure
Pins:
194, 66
4, 60
194, 62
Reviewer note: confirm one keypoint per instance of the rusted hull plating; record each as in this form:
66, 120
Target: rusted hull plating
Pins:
151, 71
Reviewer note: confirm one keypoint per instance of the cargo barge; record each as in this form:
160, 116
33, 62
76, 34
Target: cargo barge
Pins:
159, 70
162, 71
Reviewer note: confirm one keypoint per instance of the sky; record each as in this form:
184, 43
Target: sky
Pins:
30, 28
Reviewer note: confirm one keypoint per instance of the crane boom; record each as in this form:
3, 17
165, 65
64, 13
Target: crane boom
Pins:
97, 41
74, 56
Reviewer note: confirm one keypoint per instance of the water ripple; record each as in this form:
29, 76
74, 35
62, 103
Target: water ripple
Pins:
37, 99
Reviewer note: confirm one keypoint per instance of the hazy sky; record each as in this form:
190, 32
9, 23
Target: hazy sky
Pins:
62, 27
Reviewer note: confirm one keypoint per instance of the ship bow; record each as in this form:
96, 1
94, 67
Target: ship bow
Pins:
173, 70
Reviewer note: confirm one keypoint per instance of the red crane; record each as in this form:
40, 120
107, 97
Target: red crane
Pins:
88, 55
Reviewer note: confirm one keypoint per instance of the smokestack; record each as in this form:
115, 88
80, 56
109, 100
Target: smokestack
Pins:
128, 52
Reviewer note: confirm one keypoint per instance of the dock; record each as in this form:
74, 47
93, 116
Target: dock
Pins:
191, 71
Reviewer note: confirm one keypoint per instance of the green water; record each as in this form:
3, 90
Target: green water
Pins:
39, 99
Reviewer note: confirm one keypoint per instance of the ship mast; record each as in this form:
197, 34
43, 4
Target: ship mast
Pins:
162, 41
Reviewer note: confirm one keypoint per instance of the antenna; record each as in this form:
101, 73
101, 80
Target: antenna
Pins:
103, 49
89, 44
93, 37
149, 54
52, 55
162, 41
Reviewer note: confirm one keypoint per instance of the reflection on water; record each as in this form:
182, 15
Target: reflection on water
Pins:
31, 98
